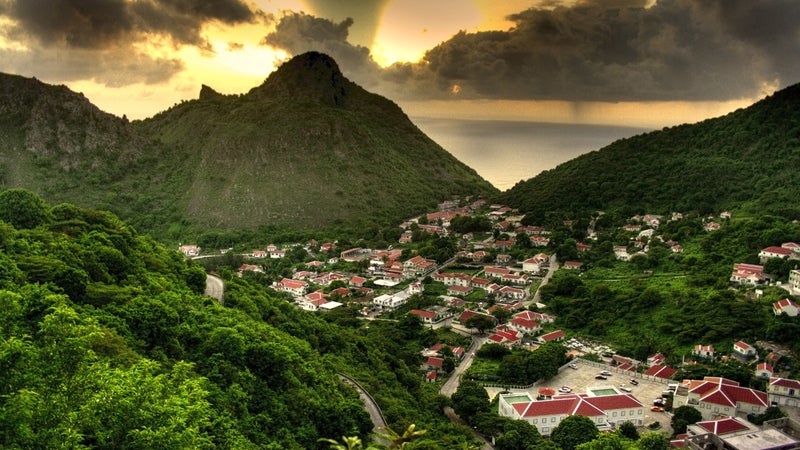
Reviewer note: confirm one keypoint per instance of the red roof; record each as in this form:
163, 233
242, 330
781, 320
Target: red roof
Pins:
576, 404
783, 303
722, 391
422, 313
784, 382
435, 361
524, 323
558, 334
722, 426
778, 250
660, 371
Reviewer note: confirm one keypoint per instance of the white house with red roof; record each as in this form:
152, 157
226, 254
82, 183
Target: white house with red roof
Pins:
536, 316
512, 293
427, 317
744, 349
459, 290
495, 272
764, 370
715, 397
536, 263
357, 281
416, 288
505, 335
785, 306
784, 391
249, 268
453, 279
418, 266
295, 287
553, 336
774, 252
258, 254
605, 411
704, 351
748, 274
524, 325
312, 301
711, 226
656, 359
189, 250
539, 241
721, 427
572, 265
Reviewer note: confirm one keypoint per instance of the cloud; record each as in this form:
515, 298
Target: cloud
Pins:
602, 50
298, 33
68, 40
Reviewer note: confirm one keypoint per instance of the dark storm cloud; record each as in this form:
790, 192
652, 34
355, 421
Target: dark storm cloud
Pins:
96, 39
676, 49
608, 50
298, 33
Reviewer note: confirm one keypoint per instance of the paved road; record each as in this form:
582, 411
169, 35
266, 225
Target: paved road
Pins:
451, 385
215, 287
374, 411
537, 297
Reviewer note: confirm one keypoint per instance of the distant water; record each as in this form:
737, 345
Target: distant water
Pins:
506, 152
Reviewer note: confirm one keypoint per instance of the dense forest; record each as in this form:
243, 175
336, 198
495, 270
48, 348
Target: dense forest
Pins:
106, 341
744, 161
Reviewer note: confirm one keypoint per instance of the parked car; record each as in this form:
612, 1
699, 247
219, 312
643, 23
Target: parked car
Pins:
605, 373
634, 382
565, 389
600, 377
573, 366
658, 402
656, 409
624, 388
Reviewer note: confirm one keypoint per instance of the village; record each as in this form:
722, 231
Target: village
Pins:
482, 280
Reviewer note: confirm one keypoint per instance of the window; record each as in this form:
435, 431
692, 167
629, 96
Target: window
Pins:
640, 412
552, 420
535, 421
622, 413
614, 414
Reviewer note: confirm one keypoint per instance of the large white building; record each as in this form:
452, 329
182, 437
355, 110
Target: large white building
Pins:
605, 411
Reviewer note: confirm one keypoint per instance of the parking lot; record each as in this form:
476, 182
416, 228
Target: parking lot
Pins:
582, 379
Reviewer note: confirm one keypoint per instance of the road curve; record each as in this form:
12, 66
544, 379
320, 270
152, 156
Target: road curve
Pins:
215, 287
374, 411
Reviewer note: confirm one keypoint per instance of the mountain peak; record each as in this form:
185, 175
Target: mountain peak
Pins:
311, 76
207, 93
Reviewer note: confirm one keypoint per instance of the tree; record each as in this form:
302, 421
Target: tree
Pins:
518, 435
653, 441
608, 441
573, 431
480, 322
470, 399
23, 209
628, 430
684, 416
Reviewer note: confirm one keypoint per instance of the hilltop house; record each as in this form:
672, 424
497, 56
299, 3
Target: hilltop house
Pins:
743, 349
295, 287
774, 252
189, 250
704, 351
785, 306
748, 274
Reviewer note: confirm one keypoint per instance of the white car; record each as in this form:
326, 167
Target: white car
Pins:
565, 389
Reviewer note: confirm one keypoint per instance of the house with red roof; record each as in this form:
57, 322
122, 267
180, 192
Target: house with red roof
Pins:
720, 427
764, 370
457, 291
605, 411
524, 325
434, 363
418, 267
572, 265
553, 336
258, 254
189, 250
505, 335
295, 287
659, 371
357, 281
774, 252
312, 301
704, 351
747, 274
536, 263
744, 350
785, 306
249, 268
716, 397
656, 359
711, 226
784, 391
427, 317
536, 316
512, 293
453, 279
467, 313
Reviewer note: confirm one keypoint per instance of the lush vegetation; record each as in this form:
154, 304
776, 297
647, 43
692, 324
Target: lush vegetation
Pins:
321, 153
669, 302
105, 341
743, 161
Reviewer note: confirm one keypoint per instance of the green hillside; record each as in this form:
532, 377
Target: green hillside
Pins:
107, 342
745, 161
307, 149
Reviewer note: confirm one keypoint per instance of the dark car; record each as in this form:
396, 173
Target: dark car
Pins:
634, 382
600, 377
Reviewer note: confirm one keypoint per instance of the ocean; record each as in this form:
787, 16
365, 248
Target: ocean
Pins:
504, 153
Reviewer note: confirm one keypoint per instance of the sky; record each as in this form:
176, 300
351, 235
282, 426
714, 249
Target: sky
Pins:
646, 63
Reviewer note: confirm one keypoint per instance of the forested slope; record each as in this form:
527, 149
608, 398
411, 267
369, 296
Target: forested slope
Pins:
745, 160
106, 342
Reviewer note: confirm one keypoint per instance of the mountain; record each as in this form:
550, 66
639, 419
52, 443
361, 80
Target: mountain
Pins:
307, 148
746, 161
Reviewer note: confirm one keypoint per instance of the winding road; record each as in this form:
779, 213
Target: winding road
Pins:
215, 287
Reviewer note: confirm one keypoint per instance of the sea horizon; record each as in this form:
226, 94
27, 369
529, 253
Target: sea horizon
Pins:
506, 152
